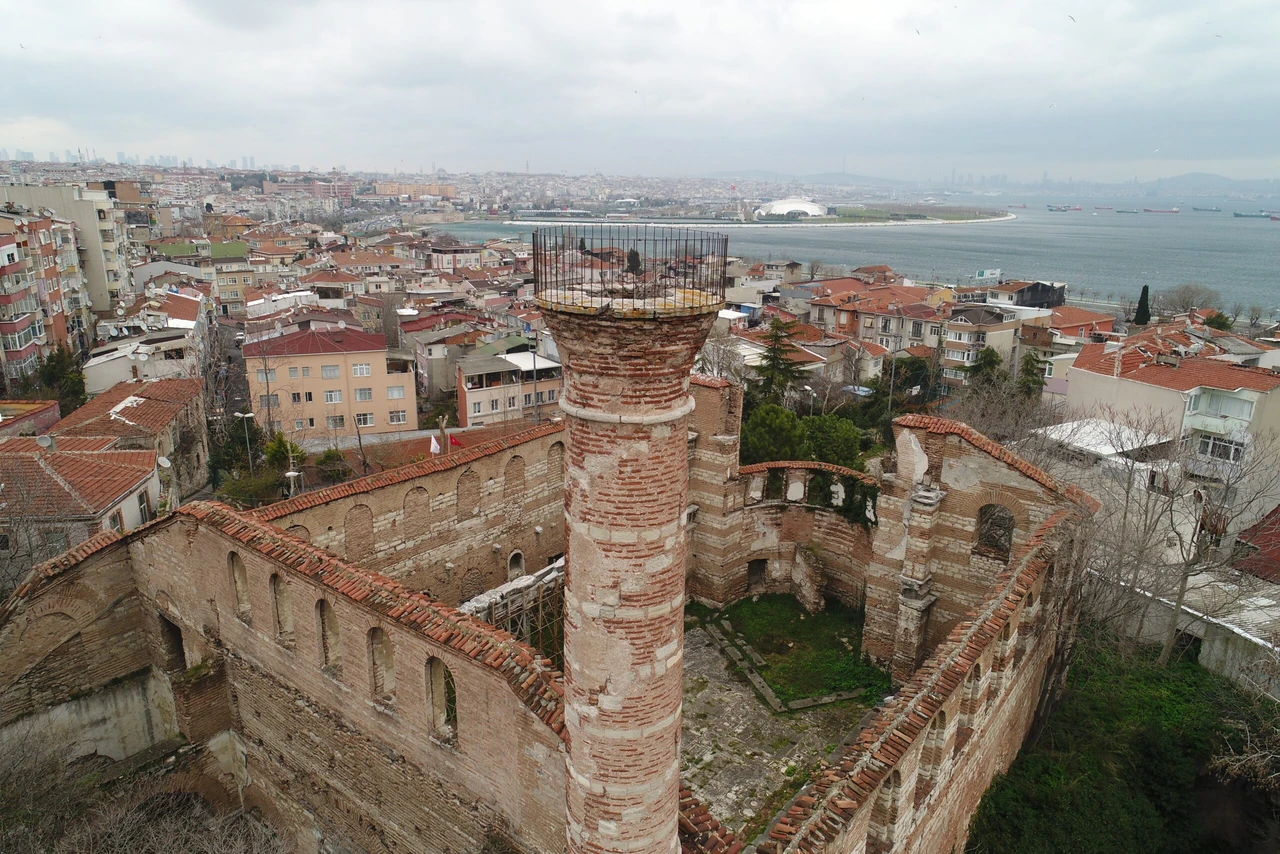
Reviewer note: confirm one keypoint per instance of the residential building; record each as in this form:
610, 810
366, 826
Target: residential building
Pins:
27, 417
498, 389
313, 384
166, 416
99, 235
1028, 294
971, 329
60, 492
166, 353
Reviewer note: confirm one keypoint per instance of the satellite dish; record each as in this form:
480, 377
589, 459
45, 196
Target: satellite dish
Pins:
342, 324
44, 441
163, 462
142, 357
120, 312
132, 356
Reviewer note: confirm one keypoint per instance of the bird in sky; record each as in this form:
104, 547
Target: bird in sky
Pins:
917, 32
1072, 17
1051, 106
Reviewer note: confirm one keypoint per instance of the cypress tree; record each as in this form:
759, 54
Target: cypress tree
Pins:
1142, 314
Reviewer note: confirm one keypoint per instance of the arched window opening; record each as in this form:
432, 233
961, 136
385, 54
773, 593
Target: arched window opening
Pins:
357, 533
884, 816
240, 581
417, 512
995, 531
513, 487
970, 702
299, 531
1002, 663
281, 609
468, 497
931, 756
442, 702
757, 572
175, 657
515, 566
555, 465
330, 643
382, 666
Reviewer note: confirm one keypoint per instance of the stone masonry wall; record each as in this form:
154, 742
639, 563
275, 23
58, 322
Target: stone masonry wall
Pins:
434, 526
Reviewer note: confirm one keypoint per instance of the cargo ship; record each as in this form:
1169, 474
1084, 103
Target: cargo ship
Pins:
1209, 210
1103, 208
1161, 210
1128, 210
1275, 218
1017, 206
1251, 215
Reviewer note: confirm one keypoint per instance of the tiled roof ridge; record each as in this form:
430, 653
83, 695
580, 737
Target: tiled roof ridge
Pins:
63, 482
404, 473
532, 677
836, 792
812, 465
700, 832
946, 426
708, 381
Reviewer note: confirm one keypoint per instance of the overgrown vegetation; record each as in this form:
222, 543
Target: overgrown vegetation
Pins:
56, 377
806, 655
1117, 765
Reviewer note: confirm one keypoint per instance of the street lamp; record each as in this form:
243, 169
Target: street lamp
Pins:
293, 482
167, 465
247, 450
812, 394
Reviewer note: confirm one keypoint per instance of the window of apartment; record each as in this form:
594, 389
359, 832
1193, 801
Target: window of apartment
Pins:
397, 416
395, 392
822, 313
886, 324
935, 331
299, 424
116, 521
306, 372
265, 400
232, 280
511, 402
917, 329
335, 422
551, 395
475, 408
361, 369
885, 342
980, 337
844, 317
870, 322
1233, 407
329, 372
957, 355
333, 396
364, 394
364, 419
306, 395
528, 400
295, 397
493, 405
267, 376
1221, 449
293, 373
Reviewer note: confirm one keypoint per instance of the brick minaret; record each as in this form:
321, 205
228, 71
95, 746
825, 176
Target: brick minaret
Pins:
628, 327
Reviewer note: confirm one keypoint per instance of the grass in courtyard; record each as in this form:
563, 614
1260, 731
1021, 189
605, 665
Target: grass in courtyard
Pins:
807, 655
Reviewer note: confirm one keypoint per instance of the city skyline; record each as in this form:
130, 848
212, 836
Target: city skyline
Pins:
1095, 92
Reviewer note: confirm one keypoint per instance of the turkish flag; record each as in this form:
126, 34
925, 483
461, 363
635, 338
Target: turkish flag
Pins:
455, 442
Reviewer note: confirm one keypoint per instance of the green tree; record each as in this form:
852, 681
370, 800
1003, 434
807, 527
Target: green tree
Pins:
333, 466
232, 444
1218, 320
987, 369
582, 244
263, 486
282, 454
771, 434
776, 371
1031, 374
833, 439
57, 376
1142, 314
635, 265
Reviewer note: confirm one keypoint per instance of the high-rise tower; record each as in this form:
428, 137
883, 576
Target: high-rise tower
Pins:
629, 309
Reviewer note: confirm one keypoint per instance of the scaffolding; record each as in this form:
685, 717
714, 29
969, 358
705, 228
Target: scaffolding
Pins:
530, 607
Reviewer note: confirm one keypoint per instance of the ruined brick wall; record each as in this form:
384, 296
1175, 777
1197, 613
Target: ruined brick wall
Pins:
433, 526
715, 527
915, 774
373, 765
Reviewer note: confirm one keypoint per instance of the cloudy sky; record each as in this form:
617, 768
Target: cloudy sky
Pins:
905, 89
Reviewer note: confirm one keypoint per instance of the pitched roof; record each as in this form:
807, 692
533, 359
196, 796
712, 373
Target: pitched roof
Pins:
1265, 537
311, 342
1191, 372
328, 276
79, 477
131, 408
1070, 315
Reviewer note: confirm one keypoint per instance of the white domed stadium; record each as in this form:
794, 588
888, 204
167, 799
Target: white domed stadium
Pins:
786, 207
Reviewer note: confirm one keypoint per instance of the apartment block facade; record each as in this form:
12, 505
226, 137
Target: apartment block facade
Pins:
311, 384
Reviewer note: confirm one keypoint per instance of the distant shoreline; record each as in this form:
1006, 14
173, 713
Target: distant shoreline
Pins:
715, 224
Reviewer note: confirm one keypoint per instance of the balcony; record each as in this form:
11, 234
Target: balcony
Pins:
1218, 425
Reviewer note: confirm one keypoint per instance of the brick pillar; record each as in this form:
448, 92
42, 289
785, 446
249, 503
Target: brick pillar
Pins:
627, 404
914, 598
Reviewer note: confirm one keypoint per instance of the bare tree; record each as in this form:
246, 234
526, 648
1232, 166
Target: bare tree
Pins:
1255, 313
1185, 297
1237, 309
720, 357
1253, 754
